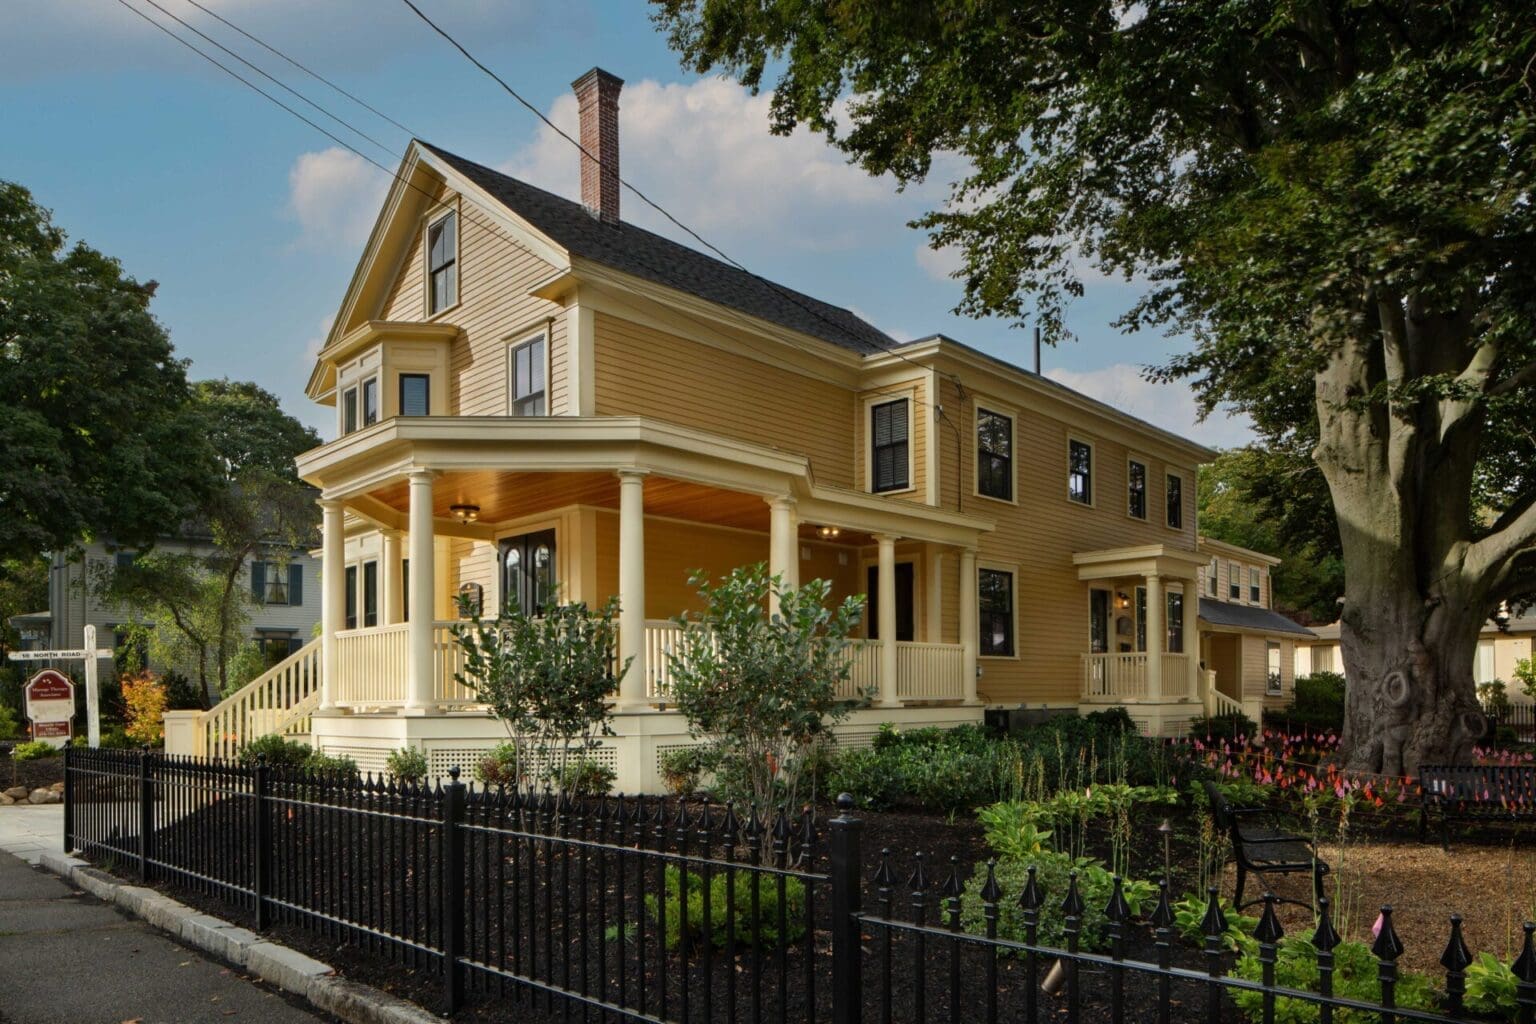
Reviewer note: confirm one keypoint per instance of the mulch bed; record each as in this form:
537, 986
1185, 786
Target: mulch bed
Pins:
38, 774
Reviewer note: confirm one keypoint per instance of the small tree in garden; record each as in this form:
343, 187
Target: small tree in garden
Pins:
761, 687
548, 679
145, 700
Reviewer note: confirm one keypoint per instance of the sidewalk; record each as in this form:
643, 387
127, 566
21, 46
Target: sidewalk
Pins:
31, 831
70, 959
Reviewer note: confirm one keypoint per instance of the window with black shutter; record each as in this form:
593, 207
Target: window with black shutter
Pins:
994, 603
890, 450
994, 455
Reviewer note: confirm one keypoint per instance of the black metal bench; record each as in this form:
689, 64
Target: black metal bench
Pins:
1498, 792
1261, 848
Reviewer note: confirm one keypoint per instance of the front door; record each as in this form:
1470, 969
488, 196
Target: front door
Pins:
905, 624
528, 572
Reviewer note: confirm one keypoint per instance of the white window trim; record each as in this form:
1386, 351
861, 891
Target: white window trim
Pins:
1231, 565
1012, 569
432, 216
870, 401
1279, 672
1254, 571
1093, 472
513, 344
997, 409
1146, 487
1180, 477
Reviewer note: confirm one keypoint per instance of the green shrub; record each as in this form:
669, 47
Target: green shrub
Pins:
499, 766
115, 737
1491, 987
10, 725
1318, 702
680, 770
1223, 727
1052, 874
34, 750
279, 751
864, 775
335, 764
1354, 977
762, 931
1189, 922
583, 776
406, 765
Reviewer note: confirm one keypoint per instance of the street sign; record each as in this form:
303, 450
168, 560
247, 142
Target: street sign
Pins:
89, 654
50, 704
79, 654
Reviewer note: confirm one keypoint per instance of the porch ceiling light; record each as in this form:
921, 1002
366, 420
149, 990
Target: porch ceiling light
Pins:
827, 532
465, 513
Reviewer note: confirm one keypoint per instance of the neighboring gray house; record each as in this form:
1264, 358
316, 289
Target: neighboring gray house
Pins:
282, 617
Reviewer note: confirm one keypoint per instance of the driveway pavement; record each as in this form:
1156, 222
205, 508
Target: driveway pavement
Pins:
71, 959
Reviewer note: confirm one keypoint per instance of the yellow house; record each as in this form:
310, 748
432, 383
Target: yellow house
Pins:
531, 394
1504, 642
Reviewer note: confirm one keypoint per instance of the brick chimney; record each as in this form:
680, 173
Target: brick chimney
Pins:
598, 94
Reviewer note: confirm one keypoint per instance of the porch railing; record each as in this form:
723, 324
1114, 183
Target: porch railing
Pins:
929, 671
1123, 676
371, 666
277, 701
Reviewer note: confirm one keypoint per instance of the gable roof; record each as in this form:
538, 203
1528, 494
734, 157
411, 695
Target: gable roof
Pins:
645, 254
1245, 616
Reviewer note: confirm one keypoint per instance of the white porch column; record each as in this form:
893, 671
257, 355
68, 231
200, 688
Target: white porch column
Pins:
394, 579
333, 594
418, 637
1191, 609
887, 623
933, 581
783, 540
632, 585
969, 629
1156, 635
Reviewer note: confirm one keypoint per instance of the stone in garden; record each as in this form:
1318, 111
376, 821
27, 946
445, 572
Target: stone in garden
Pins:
18, 792
57, 787
39, 796
6, 798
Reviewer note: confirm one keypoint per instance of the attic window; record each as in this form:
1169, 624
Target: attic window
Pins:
442, 263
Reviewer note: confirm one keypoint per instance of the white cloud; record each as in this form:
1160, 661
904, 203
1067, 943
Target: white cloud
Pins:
1170, 406
939, 264
703, 151
334, 195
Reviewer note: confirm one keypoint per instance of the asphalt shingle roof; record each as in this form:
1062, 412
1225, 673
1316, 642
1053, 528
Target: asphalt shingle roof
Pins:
645, 254
1244, 616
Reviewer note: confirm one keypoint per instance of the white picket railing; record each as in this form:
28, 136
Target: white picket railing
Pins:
277, 701
1115, 676
929, 671
371, 666
1176, 676
863, 672
1216, 702
447, 663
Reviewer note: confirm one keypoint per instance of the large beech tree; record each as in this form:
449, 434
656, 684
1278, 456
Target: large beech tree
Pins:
1332, 198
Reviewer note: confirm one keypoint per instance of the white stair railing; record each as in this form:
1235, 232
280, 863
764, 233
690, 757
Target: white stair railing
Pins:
278, 701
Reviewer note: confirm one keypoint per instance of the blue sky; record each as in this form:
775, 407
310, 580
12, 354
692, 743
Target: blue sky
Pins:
252, 221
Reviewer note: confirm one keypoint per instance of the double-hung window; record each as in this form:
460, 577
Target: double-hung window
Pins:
370, 401
1175, 494
994, 602
1255, 586
442, 263
1273, 682
1234, 581
349, 410
415, 394
1210, 578
527, 371
890, 447
994, 454
1080, 471
1175, 622
1136, 487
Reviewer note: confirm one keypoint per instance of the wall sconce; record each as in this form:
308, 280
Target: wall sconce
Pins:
1123, 599
827, 532
465, 513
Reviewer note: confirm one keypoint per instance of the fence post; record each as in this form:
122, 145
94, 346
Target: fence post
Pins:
146, 814
847, 901
69, 802
451, 887
261, 836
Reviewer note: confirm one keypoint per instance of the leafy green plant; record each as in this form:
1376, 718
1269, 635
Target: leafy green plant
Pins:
761, 930
1052, 874
333, 764
1189, 922
1491, 987
680, 770
583, 776
34, 750
1013, 829
10, 725
1223, 727
279, 751
1318, 701
760, 688
1354, 977
407, 764
499, 766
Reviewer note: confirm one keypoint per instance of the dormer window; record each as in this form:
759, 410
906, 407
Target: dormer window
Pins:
442, 263
526, 367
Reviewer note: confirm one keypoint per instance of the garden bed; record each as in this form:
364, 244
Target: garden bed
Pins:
38, 774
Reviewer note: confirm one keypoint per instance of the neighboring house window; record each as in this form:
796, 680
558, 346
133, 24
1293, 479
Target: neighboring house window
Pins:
1080, 472
1175, 490
370, 593
1211, 572
351, 617
1136, 476
443, 263
370, 401
272, 584
415, 394
1322, 660
994, 455
890, 450
1255, 586
1234, 581
1175, 621
527, 370
349, 410
125, 559
994, 592
1272, 665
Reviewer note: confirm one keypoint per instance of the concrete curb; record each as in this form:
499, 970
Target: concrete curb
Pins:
287, 969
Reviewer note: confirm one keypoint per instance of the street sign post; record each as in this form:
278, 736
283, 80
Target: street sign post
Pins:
50, 704
89, 654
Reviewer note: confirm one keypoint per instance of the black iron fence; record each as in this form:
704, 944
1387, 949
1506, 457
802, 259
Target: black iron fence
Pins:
1515, 720
656, 910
